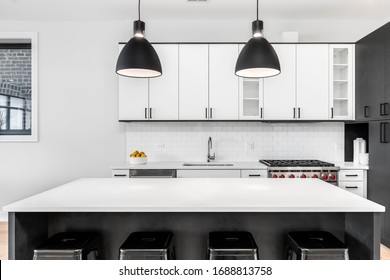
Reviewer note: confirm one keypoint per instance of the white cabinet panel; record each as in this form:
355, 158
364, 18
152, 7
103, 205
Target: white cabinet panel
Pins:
312, 81
120, 173
164, 90
208, 174
280, 91
353, 187
133, 97
223, 83
193, 82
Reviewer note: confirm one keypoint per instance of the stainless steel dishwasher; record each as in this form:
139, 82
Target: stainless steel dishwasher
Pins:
152, 173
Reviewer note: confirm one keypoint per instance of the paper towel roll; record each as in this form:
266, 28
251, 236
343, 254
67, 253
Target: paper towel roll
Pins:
363, 145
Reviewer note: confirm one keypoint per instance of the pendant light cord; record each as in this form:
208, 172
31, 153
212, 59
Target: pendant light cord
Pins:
139, 9
257, 10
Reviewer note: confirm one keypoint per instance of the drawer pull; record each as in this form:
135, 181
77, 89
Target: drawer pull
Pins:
254, 175
351, 187
351, 175
120, 175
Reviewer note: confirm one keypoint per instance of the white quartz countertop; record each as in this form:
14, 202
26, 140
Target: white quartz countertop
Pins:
195, 195
178, 165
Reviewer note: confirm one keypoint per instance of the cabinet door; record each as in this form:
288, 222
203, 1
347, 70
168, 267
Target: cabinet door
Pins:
164, 90
312, 82
280, 91
193, 82
377, 187
223, 83
370, 75
133, 97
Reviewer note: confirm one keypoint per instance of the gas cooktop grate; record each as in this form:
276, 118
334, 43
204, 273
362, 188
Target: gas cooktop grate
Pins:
296, 163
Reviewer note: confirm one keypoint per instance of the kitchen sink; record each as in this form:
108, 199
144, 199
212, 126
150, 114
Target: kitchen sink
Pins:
207, 164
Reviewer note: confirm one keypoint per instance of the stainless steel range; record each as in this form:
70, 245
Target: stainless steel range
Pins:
302, 169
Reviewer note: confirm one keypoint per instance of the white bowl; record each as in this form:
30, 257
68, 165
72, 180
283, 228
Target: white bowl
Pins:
138, 160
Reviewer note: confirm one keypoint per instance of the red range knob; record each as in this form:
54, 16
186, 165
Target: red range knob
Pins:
282, 176
325, 176
292, 176
332, 177
315, 176
274, 176
303, 176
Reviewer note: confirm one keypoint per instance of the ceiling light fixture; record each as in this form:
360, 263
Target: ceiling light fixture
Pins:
138, 58
258, 58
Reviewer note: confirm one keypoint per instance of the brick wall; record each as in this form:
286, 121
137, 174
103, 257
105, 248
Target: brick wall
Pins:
15, 72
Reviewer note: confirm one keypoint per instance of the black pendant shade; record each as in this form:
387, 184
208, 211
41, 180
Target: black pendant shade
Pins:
257, 59
138, 59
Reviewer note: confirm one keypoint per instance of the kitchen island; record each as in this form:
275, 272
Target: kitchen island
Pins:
190, 208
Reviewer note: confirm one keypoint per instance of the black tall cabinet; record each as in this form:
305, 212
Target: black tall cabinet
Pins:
373, 106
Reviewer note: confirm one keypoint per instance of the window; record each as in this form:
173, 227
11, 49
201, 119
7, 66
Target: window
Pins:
18, 116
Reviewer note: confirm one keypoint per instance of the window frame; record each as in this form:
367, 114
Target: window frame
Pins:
31, 38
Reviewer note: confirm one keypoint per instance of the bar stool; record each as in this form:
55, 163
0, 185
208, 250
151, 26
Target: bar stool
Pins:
315, 245
231, 245
69, 246
148, 246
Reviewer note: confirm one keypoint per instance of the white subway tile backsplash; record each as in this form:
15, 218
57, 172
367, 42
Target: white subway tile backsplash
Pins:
241, 141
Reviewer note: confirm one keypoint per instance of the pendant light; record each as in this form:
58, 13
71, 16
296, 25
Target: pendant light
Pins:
258, 58
138, 58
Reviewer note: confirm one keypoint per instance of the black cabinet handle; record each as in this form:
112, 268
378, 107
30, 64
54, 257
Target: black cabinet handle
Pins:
385, 141
120, 175
332, 112
146, 113
366, 112
261, 112
294, 112
211, 113
206, 112
351, 187
381, 133
351, 175
381, 110
150, 113
299, 113
385, 105
254, 175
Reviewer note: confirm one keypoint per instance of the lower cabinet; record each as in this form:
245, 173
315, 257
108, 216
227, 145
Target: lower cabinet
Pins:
208, 173
354, 181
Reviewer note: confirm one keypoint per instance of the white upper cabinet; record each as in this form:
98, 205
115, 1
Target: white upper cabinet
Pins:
223, 83
164, 90
312, 82
341, 82
280, 91
193, 82
133, 98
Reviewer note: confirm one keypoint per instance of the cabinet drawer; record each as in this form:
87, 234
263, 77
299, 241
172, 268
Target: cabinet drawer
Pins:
120, 173
353, 187
351, 175
254, 173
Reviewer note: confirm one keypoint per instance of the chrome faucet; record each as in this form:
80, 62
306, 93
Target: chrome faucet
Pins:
209, 147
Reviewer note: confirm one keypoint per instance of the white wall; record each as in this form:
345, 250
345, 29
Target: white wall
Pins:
79, 133
241, 141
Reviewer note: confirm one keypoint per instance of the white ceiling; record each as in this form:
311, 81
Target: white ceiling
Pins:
182, 10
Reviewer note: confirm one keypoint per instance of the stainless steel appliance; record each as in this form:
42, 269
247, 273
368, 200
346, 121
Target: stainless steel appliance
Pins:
302, 169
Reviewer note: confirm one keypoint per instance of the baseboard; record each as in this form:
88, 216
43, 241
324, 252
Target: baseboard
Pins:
3, 217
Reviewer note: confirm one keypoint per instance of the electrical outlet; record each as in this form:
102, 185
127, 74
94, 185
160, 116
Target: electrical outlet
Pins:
160, 147
337, 147
250, 146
